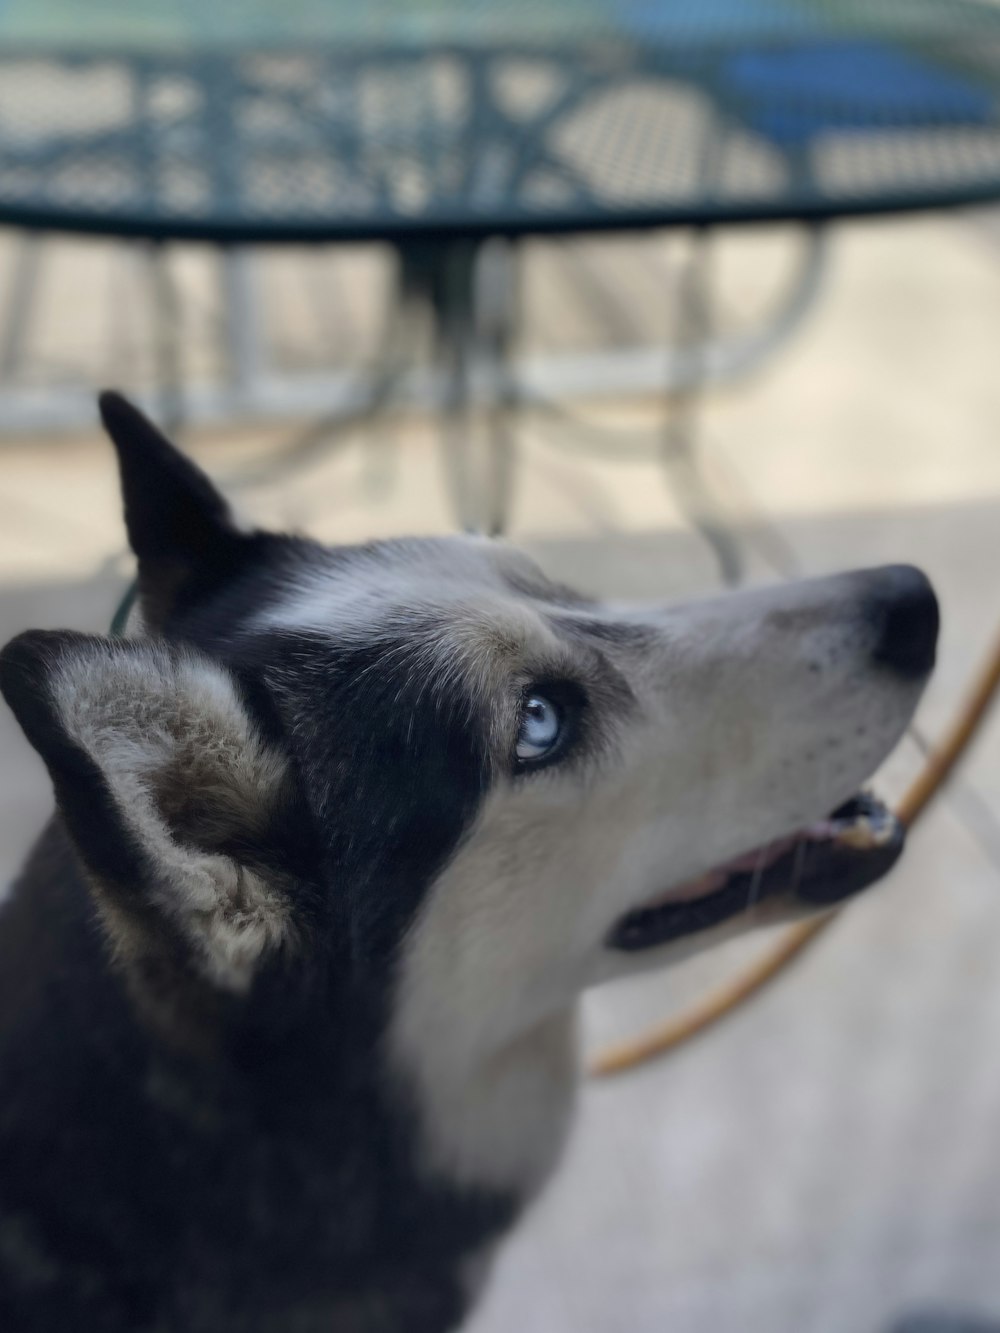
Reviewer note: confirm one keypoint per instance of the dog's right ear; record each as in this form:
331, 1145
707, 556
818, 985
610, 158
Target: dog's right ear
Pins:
179, 526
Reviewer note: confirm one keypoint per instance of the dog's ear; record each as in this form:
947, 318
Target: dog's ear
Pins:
170, 795
179, 526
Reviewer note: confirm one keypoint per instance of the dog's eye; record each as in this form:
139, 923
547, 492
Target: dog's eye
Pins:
541, 724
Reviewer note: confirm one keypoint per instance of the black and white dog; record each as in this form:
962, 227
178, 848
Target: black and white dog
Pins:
287, 988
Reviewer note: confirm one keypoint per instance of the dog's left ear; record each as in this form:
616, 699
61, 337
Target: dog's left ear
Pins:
179, 526
170, 795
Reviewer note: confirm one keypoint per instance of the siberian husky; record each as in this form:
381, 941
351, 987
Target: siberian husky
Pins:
288, 985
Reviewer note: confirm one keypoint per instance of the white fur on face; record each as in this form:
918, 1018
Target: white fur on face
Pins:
170, 734
753, 715
725, 725
401, 580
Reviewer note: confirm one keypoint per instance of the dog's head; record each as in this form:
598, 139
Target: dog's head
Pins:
423, 761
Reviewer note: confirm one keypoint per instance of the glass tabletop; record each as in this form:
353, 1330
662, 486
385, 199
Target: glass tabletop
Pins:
271, 120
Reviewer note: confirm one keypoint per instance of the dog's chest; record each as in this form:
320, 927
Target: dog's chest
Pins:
234, 1226
498, 1124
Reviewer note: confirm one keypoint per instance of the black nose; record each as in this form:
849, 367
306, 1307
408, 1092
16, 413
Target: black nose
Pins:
903, 610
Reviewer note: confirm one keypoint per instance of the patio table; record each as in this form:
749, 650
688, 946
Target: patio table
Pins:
444, 127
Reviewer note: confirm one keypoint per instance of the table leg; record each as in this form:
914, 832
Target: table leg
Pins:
474, 310
375, 392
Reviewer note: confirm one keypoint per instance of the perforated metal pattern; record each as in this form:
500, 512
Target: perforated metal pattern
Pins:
303, 120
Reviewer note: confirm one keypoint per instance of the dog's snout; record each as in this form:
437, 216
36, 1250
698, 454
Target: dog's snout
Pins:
903, 610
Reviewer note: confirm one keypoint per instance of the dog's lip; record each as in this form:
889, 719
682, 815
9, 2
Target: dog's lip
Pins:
820, 865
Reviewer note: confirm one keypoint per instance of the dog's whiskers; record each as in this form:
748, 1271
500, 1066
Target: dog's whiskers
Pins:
758, 875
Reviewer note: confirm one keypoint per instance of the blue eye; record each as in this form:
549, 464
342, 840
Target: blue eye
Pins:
541, 724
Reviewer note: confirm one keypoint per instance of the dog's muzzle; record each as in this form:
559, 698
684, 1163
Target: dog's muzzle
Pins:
820, 866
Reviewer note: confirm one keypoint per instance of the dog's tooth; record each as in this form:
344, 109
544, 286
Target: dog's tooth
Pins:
859, 834
867, 833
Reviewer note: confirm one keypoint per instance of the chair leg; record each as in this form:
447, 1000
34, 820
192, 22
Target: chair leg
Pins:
679, 450
497, 309
167, 339
243, 325
450, 291
20, 304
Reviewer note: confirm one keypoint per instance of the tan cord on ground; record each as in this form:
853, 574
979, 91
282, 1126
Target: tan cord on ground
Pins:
732, 994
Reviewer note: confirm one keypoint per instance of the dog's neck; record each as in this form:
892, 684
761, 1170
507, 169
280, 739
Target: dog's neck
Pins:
490, 1114
490, 1117
328, 1103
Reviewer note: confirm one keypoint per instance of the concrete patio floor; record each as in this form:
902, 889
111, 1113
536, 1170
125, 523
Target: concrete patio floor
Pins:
830, 1158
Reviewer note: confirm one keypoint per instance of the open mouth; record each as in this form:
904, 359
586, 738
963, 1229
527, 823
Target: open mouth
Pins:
820, 865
